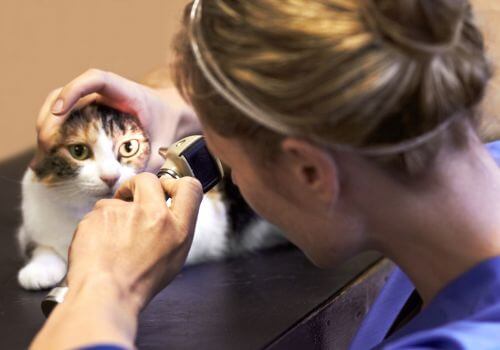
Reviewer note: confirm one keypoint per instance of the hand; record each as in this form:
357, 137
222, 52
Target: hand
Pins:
137, 247
162, 112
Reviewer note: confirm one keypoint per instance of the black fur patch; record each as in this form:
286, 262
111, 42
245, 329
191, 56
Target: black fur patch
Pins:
120, 122
240, 213
56, 165
112, 120
77, 120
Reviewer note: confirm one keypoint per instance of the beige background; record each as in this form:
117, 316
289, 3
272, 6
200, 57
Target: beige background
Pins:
488, 16
46, 43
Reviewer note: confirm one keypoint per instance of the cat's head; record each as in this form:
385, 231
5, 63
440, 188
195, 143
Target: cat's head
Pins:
97, 149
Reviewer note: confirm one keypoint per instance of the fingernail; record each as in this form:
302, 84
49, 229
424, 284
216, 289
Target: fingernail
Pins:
57, 107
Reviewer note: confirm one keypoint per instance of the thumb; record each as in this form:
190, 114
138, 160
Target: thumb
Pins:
186, 194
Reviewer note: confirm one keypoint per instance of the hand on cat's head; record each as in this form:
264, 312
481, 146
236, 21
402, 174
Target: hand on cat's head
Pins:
159, 112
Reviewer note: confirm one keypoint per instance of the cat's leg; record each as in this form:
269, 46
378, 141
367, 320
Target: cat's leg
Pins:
23, 242
45, 269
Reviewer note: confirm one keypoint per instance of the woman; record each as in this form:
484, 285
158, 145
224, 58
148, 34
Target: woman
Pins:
365, 108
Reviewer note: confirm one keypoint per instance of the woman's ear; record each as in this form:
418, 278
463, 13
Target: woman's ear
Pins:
314, 169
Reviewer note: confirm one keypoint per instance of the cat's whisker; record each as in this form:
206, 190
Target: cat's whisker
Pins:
66, 191
5, 178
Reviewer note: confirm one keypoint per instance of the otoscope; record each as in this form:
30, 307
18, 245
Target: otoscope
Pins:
187, 157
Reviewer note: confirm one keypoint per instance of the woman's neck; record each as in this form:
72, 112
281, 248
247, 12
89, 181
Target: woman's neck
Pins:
438, 232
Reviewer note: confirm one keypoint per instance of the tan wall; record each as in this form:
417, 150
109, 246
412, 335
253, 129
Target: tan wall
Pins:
488, 13
46, 43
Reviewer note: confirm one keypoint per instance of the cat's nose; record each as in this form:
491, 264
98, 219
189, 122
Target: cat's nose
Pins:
109, 180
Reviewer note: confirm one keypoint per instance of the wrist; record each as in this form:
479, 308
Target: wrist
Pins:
104, 288
95, 311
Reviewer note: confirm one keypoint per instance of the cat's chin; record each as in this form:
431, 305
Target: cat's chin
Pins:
101, 195
106, 195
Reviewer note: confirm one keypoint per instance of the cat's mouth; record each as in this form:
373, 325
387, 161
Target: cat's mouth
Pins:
110, 193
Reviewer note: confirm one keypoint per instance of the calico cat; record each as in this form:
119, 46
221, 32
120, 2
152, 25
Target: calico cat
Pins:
98, 149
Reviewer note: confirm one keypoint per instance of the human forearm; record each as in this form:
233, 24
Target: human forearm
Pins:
187, 121
94, 312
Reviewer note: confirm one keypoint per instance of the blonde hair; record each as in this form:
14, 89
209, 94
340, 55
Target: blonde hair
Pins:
378, 76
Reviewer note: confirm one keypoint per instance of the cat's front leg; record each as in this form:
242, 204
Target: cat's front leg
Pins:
45, 269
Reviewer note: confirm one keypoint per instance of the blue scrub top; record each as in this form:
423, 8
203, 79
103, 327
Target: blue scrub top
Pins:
464, 315
494, 149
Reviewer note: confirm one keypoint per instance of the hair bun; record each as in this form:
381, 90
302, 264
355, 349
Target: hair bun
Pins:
423, 26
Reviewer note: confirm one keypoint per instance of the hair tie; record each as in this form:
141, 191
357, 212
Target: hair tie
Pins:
387, 28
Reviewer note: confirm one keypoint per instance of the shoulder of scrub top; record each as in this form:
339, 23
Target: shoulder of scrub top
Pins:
494, 148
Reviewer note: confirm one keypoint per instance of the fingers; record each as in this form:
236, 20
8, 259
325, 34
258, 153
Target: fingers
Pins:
116, 91
48, 124
145, 189
104, 203
186, 194
45, 110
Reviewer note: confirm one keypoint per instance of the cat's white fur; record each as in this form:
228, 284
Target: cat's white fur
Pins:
51, 215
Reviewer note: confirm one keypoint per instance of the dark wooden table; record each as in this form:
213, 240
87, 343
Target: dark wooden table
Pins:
274, 299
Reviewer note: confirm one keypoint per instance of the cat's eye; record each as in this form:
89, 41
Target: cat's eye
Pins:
79, 152
129, 148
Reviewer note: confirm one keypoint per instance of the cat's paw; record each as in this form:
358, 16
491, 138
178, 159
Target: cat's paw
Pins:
37, 275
